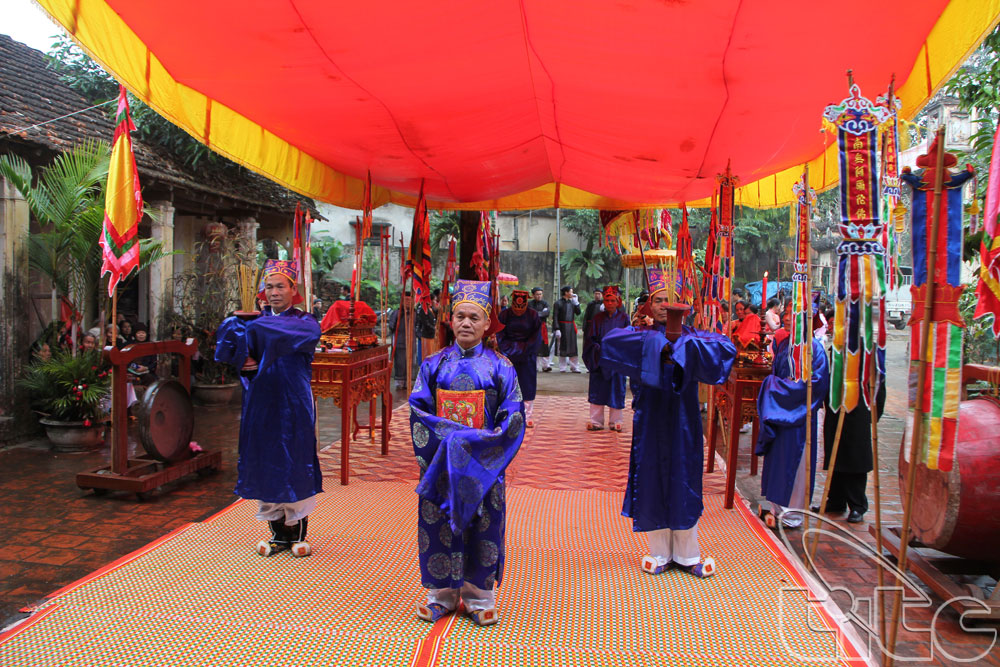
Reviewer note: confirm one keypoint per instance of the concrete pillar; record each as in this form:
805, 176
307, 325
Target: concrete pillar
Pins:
161, 273
14, 305
247, 228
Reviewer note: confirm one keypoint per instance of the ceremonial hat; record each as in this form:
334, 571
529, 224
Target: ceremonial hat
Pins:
657, 281
519, 294
473, 291
613, 290
282, 267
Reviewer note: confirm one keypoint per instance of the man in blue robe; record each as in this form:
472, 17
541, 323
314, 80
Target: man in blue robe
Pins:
519, 340
781, 408
467, 423
606, 386
278, 465
663, 496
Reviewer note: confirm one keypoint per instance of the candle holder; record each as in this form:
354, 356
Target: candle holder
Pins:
675, 320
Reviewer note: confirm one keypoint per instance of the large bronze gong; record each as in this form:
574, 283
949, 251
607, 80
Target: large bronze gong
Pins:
166, 421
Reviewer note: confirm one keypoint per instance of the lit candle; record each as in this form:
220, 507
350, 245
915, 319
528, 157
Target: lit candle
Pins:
763, 296
354, 279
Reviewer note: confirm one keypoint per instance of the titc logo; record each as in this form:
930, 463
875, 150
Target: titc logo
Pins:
797, 607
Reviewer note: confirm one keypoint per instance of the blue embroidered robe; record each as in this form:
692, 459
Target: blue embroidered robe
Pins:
606, 387
519, 341
278, 462
781, 407
667, 457
462, 519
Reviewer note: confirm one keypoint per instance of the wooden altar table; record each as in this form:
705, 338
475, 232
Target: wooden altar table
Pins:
734, 404
351, 378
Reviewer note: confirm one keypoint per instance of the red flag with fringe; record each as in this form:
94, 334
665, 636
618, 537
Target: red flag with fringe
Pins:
418, 263
122, 203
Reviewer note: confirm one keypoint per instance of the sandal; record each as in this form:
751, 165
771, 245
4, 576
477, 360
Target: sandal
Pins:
594, 427
432, 612
617, 427
484, 617
650, 565
701, 570
530, 424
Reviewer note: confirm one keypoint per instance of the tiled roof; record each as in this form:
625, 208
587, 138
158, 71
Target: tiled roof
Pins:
31, 93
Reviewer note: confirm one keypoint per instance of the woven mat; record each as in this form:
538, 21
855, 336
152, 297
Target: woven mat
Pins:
572, 593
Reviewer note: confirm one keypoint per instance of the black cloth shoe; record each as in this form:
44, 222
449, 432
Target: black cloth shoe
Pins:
855, 517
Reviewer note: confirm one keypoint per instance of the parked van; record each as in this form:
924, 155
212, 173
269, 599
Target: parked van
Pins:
897, 300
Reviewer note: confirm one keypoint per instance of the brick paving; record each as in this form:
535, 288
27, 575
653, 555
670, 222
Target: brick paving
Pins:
55, 533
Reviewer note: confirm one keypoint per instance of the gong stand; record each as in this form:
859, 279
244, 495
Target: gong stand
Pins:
145, 473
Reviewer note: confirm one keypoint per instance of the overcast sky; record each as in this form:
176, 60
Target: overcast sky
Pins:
27, 23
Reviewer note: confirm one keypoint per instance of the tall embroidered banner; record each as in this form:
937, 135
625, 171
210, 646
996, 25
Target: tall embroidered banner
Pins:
709, 280
988, 290
122, 203
800, 367
418, 263
481, 256
724, 249
859, 313
893, 211
943, 348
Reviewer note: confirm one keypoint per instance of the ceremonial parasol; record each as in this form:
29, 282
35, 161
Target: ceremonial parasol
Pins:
506, 279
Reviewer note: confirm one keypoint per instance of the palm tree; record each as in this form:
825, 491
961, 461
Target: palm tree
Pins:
67, 200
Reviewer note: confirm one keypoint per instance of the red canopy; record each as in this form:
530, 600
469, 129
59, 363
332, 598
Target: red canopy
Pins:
586, 103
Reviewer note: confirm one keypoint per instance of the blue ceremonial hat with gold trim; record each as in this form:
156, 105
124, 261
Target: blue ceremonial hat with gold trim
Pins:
281, 267
473, 291
658, 281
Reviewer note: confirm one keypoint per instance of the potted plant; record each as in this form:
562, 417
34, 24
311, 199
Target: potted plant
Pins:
205, 294
71, 394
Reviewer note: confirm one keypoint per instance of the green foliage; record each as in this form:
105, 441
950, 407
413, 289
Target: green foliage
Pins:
326, 254
595, 261
205, 294
68, 388
978, 344
67, 201
443, 224
977, 87
78, 71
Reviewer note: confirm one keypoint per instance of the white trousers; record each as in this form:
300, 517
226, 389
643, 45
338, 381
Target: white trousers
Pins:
679, 546
529, 409
290, 512
573, 363
543, 363
797, 499
475, 598
597, 415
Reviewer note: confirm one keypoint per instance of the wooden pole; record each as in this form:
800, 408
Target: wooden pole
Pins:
918, 415
873, 410
807, 352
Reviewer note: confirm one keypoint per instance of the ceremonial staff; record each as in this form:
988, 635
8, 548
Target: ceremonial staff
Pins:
918, 415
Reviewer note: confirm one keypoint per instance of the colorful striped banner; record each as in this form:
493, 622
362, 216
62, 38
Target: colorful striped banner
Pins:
859, 320
938, 406
799, 359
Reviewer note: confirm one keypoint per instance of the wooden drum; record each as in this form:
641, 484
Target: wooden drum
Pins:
958, 511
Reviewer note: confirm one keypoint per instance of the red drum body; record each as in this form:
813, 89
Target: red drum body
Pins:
958, 511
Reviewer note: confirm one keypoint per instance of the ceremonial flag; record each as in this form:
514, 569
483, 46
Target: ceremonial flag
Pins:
859, 321
418, 263
988, 289
941, 354
800, 367
685, 259
122, 203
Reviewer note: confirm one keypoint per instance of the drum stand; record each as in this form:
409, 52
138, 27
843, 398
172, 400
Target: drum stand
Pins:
938, 571
145, 473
